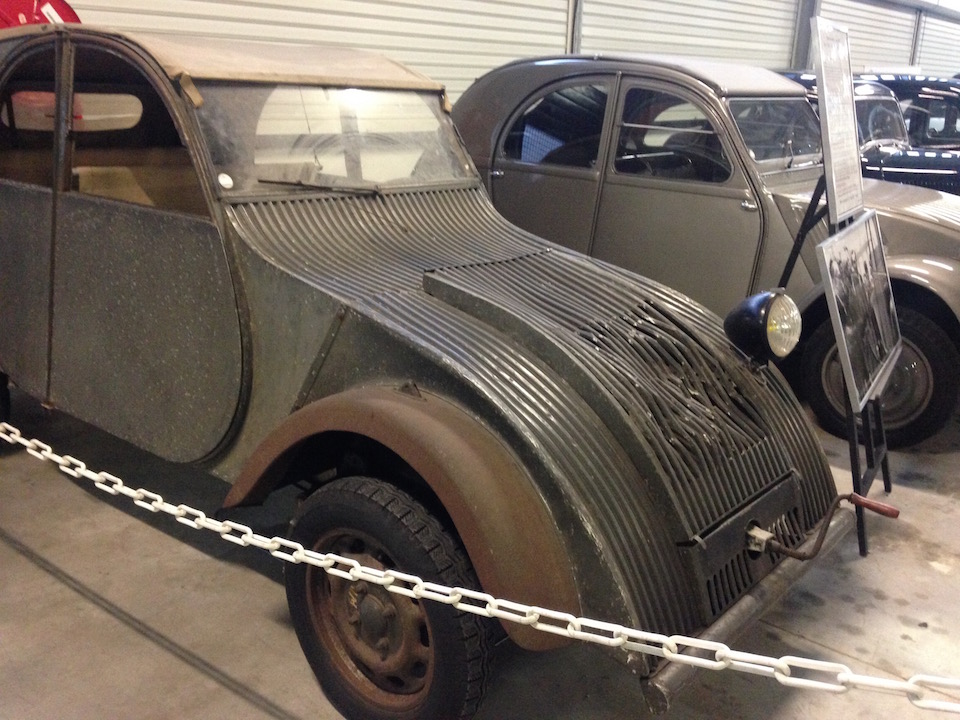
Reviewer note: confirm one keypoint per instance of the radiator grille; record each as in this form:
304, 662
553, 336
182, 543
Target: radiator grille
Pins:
743, 570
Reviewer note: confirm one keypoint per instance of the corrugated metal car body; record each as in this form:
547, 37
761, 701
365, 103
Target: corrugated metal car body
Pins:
605, 446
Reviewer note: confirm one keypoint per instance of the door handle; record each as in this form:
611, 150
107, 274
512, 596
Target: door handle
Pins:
496, 173
748, 205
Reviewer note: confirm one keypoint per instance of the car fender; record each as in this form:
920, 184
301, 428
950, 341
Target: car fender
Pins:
511, 538
937, 275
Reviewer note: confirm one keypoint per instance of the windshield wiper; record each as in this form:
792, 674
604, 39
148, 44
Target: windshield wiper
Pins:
817, 160
792, 162
326, 187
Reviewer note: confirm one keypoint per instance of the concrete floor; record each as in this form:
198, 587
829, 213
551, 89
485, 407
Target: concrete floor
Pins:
107, 611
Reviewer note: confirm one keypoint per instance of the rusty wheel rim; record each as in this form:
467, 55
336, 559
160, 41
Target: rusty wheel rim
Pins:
379, 642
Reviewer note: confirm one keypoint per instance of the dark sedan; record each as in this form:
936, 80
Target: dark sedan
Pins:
930, 104
886, 152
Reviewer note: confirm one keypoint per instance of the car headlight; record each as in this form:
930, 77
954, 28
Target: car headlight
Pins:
765, 326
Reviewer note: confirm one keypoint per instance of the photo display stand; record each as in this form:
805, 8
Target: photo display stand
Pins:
864, 318
853, 268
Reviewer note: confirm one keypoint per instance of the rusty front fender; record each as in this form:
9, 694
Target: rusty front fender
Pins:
513, 542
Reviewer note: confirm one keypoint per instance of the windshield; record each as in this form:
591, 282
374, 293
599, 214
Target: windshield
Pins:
781, 132
343, 139
880, 119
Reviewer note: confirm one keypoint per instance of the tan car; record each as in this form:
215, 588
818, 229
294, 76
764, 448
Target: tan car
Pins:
698, 174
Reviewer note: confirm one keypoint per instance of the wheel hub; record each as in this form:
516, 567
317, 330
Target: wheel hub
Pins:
907, 394
373, 619
910, 388
383, 635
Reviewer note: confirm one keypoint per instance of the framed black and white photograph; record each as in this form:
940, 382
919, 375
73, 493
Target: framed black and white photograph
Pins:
864, 316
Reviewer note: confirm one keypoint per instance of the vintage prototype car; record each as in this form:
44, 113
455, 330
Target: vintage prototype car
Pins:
885, 149
931, 106
698, 174
279, 263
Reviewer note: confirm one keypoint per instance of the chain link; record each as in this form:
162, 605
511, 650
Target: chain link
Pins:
816, 674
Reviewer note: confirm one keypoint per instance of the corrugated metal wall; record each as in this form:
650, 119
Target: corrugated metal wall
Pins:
939, 47
880, 36
758, 32
452, 41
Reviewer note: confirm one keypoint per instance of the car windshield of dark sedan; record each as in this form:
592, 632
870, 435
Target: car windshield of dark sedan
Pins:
879, 121
339, 139
779, 132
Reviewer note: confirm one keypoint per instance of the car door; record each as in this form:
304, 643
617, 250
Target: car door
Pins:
674, 204
142, 337
26, 212
545, 175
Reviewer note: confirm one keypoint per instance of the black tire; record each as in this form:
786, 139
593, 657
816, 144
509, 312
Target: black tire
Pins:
379, 655
919, 397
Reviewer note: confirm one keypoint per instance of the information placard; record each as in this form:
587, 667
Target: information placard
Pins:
838, 121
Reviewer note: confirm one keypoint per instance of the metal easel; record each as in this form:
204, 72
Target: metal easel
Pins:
871, 417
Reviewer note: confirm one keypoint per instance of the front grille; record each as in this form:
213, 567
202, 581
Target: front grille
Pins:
741, 572
728, 584
788, 530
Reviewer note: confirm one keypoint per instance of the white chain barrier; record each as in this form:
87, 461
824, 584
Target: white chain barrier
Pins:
817, 674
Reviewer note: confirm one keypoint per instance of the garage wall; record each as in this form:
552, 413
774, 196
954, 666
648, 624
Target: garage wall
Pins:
939, 47
881, 36
452, 41
758, 32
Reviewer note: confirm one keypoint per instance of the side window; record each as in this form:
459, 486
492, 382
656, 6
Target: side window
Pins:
662, 135
26, 121
122, 142
125, 144
878, 120
915, 117
33, 111
560, 128
944, 120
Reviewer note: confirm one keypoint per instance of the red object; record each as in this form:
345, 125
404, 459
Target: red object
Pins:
31, 12
878, 507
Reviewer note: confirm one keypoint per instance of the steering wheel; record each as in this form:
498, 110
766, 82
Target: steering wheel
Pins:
880, 122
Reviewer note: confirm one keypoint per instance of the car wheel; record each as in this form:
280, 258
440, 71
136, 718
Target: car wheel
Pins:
920, 394
380, 655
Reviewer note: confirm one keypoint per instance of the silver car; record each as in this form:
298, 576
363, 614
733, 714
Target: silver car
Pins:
698, 174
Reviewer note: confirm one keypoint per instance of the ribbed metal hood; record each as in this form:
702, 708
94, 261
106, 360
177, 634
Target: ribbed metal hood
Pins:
654, 425
650, 363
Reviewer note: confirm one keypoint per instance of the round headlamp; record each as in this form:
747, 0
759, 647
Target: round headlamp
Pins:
764, 326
